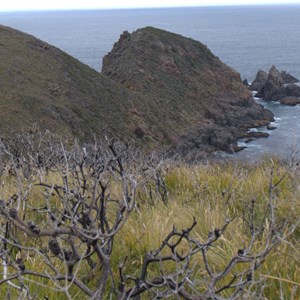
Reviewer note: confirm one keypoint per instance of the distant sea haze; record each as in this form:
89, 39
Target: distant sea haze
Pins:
247, 38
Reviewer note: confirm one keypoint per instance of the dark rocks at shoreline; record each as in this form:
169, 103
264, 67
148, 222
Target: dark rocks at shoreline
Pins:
288, 78
245, 82
249, 140
255, 135
292, 101
259, 82
237, 148
274, 88
293, 90
271, 127
275, 85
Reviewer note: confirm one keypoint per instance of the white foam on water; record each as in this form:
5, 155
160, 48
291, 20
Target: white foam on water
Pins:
242, 144
252, 130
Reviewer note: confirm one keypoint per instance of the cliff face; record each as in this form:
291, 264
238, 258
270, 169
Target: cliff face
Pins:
198, 100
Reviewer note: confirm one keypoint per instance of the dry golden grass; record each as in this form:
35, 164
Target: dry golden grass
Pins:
211, 193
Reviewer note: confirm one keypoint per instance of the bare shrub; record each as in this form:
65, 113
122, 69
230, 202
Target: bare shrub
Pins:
68, 205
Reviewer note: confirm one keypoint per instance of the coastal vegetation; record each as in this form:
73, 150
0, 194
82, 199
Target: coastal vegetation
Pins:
103, 221
157, 87
124, 201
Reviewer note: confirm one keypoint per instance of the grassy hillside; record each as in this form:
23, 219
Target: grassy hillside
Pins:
157, 87
39, 83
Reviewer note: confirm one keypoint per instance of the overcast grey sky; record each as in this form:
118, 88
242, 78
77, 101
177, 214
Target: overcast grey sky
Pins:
7, 5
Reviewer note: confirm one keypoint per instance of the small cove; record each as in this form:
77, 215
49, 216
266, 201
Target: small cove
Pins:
283, 141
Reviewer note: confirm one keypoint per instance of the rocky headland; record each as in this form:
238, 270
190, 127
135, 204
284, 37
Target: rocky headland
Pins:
199, 102
159, 88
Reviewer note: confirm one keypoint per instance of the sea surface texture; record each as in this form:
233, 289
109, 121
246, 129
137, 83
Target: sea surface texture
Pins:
247, 38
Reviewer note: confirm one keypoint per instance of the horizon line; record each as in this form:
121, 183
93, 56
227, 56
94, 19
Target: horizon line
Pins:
149, 7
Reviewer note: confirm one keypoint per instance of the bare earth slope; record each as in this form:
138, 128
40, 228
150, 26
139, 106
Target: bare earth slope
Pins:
199, 101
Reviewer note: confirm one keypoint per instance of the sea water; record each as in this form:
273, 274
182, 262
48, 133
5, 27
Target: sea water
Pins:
247, 38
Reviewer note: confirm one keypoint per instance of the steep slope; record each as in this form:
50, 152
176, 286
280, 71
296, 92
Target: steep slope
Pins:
196, 100
40, 83
157, 87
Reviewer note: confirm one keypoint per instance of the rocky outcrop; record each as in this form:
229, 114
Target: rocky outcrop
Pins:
292, 101
275, 85
245, 82
274, 88
259, 82
256, 134
197, 101
271, 127
293, 90
288, 78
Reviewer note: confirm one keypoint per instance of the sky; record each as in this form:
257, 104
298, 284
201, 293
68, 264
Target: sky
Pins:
16, 5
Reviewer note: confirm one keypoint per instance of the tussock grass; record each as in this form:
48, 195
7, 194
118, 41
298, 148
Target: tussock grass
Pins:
211, 193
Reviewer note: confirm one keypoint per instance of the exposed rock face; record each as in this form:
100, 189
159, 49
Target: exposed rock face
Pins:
245, 82
293, 90
292, 101
199, 102
259, 82
257, 134
275, 85
288, 78
274, 88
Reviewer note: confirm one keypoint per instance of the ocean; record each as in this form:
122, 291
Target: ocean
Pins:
247, 38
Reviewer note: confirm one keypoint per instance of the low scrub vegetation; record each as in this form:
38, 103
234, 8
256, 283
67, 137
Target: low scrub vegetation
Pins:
103, 221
